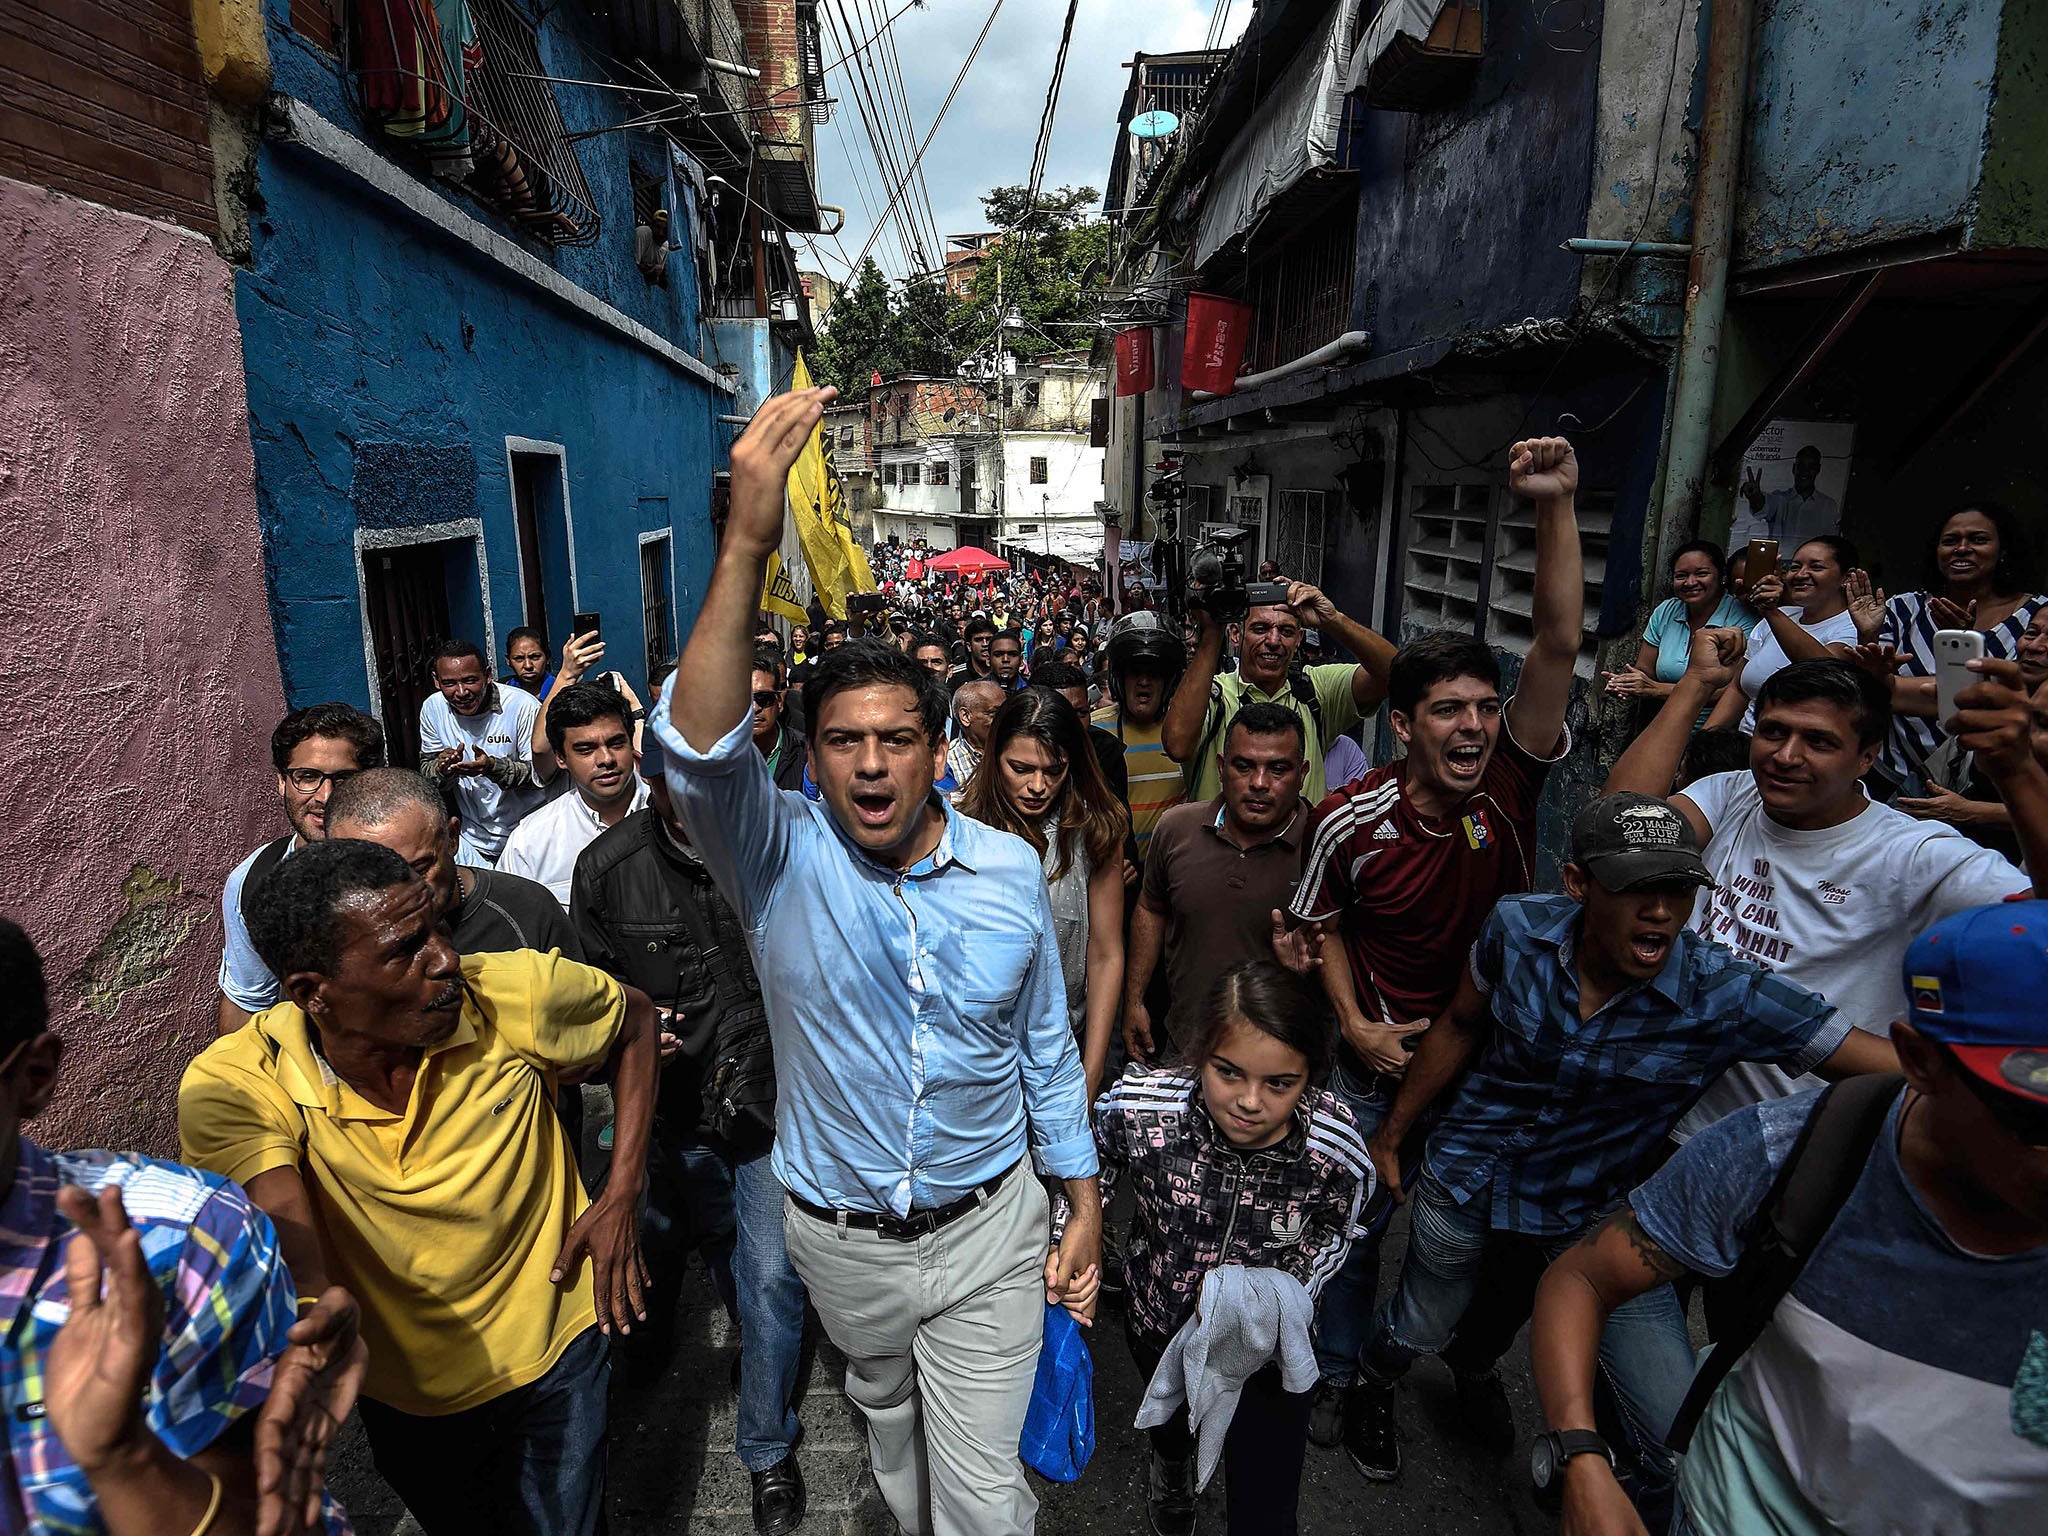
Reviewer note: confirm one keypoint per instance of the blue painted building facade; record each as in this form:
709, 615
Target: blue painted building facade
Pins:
459, 425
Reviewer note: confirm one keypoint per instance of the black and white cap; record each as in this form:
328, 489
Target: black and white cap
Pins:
1631, 840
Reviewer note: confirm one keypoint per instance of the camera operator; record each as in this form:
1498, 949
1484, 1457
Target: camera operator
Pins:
1270, 617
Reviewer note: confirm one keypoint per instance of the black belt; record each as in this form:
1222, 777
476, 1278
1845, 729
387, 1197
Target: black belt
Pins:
906, 1229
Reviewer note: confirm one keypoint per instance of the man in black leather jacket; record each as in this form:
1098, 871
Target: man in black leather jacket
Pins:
647, 913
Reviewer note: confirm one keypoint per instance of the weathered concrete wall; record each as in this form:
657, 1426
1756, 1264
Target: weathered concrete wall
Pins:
1866, 124
142, 681
1461, 211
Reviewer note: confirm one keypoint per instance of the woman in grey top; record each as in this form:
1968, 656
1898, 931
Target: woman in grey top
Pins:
1039, 779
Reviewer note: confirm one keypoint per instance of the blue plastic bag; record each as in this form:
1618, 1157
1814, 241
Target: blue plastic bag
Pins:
1059, 1426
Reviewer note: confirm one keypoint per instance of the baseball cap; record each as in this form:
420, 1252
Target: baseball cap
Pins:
1975, 982
1630, 840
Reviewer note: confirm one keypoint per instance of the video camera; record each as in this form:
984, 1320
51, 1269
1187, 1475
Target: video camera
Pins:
1216, 580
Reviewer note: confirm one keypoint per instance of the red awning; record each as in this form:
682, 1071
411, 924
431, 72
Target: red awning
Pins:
969, 561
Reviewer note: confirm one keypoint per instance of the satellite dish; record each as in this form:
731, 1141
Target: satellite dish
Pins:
1153, 125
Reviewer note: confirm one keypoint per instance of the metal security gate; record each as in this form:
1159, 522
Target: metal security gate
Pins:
406, 591
1298, 533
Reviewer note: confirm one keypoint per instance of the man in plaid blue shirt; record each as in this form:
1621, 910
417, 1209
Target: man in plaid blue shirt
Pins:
144, 1307
1590, 1022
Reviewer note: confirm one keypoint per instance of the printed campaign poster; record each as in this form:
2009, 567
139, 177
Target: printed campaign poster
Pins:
1793, 480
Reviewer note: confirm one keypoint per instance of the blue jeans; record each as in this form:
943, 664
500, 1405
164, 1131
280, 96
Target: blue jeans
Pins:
730, 1207
1646, 1358
1344, 1313
530, 1462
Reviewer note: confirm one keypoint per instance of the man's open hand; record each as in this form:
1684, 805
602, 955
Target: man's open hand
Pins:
101, 1361
1299, 949
311, 1392
761, 461
608, 1233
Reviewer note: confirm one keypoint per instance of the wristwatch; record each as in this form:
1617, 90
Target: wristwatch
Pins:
1553, 1448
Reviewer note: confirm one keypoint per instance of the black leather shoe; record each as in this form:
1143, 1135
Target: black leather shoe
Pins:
1483, 1406
1326, 1416
779, 1498
1170, 1497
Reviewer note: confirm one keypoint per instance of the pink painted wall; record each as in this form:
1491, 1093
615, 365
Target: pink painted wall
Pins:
135, 638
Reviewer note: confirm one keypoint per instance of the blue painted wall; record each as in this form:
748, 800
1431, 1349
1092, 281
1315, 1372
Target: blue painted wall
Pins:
388, 363
1461, 209
1865, 132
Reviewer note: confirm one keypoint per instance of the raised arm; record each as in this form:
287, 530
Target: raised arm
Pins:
1650, 765
1545, 470
1994, 719
1181, 731
720, 656
1374, 651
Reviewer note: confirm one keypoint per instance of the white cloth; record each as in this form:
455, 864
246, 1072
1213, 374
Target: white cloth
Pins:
1832, 909
1767, 656
544, 845
1243, 1318
489, 810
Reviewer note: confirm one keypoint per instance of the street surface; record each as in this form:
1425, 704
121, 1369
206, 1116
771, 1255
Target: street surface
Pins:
672, 1469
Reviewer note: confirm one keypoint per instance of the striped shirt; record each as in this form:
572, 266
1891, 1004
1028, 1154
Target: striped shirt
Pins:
1157, 784
1909, 627
1202, 1203
227, 1299
1560, 1116
1409, 892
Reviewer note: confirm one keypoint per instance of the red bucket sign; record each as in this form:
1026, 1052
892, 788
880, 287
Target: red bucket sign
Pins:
1134, 361
1218, 329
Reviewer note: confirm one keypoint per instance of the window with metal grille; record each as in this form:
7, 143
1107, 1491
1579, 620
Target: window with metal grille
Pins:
1041, 473
485, 116
1299, 286
913, 474
1298, 536
846, 437
942, 473
888, 474
655, 604
1511, 586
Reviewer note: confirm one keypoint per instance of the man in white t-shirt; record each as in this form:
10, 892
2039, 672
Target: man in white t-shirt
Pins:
590, 728
477, 736
1811, 877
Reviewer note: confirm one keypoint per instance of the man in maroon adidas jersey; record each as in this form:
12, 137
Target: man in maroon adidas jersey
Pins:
1407, 863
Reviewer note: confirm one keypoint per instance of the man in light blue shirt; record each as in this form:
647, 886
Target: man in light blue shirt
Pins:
913, 987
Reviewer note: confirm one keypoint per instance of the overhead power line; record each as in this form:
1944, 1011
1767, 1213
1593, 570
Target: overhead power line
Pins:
1052, 102
944, 107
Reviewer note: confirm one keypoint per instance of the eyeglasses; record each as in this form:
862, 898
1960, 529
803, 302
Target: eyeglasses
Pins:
307, 781
765, 699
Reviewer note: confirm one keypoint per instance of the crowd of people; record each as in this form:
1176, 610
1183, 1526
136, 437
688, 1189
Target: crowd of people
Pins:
906, 942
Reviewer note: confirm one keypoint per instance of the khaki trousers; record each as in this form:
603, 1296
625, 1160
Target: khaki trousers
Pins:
941, 1340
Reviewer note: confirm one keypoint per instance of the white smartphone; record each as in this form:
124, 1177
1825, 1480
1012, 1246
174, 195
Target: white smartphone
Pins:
1954, 650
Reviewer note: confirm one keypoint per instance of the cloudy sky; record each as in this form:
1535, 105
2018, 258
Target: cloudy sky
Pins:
988, 136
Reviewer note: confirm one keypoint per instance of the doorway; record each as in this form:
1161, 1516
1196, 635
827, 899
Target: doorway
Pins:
547, 558
406, 592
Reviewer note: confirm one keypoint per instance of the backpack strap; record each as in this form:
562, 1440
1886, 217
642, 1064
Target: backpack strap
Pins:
1191, 770
1811, 1188
1304, 690
268, 857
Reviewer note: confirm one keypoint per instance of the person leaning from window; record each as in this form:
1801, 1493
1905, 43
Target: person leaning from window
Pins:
1699, 599
158, 1381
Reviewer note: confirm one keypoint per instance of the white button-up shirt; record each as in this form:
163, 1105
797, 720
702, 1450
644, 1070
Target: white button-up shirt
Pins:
544, 846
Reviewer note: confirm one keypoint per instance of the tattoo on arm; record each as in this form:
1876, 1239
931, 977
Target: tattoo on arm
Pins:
1653, 1258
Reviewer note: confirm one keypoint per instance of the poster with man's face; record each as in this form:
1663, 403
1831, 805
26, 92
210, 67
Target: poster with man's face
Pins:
1793, 481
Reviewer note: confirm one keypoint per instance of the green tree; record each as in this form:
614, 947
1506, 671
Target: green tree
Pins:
1043, 264
856, 332
876, 328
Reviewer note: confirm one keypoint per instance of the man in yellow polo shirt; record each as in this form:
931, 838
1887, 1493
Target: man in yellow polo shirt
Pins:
396, 1120
1270, 639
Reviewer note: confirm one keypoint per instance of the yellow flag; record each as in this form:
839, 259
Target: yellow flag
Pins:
778, 593
837, 565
